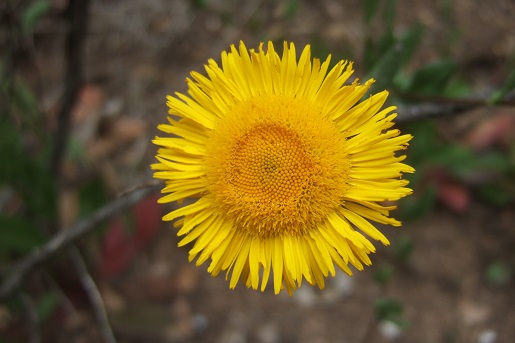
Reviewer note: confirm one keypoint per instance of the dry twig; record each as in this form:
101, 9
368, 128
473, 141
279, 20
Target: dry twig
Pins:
432, 107
93, 294
66, 237
77, 28
408, 113
32, 319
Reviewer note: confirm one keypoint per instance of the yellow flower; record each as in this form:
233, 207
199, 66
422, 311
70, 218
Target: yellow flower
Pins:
286, 168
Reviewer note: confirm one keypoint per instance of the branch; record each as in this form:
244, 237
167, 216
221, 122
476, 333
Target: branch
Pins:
408, 113
32, 319
437, 106
67, 237
77, 28
94, 295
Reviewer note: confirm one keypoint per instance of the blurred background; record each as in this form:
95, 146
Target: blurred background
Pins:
82, 88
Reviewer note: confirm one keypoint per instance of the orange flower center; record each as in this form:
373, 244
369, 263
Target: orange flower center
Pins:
270, 164
276, 166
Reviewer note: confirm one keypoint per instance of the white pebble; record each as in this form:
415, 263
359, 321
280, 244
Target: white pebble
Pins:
487, 336
389, 330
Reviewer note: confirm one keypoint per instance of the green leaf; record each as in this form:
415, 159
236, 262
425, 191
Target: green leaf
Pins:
453, 156
18, 235
401, 80
385, 70
432, 78
419, 204
32, 14
498, 273
390, 13
403, 247
385, 308
27, 174
21, 97
376, 50
458, 89
391, 310
424, 143
199, 3
465, 164
369, 9
495, 194
409, 42
384, 274
319, 47
291, 8
92, 195
385, 58
506, 88
46, 305
494, 161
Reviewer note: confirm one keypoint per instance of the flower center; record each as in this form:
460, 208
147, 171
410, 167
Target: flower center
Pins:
275, 166
271, 165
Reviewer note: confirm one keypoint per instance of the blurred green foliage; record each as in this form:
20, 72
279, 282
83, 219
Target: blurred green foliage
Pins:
387, 58
392, 310
488, 173
403, 247
384, 274
507, 87
46, 304
32, 14
498, 273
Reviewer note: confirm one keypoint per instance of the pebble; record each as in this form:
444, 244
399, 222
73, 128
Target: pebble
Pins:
389, 330
338, 288
487, 336
268, 333
200, 322
305, 296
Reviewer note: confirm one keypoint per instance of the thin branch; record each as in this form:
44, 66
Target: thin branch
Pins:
66, 237
77, 28
32, 319
408, 113
474, 101
437, 106
94, 295
150, 183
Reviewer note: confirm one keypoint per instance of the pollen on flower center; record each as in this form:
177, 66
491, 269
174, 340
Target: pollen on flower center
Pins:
276, 166
270, 164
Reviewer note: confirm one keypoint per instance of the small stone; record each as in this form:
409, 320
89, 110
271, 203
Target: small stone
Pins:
268, 333
473, 313
389, 330
338, 288
199, 322
305, 296
487, 336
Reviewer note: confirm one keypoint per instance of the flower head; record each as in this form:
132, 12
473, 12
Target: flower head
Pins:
286, 167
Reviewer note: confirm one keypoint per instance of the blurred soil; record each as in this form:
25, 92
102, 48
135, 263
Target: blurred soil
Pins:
139, 51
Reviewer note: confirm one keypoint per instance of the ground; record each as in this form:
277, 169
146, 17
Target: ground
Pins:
138, 52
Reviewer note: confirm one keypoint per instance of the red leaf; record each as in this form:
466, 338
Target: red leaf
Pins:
148, 220
453, 195
121, 244
491, 131
118, 249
